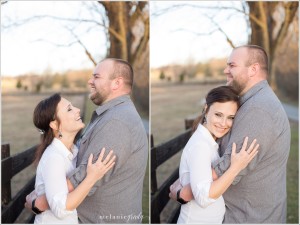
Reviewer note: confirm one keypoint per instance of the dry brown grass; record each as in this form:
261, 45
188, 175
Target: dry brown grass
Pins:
171, 104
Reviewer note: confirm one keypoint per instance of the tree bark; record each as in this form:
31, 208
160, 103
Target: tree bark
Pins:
129, 39
263, 24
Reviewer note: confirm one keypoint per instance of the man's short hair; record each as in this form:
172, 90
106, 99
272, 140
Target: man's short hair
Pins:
122, 69
257, 55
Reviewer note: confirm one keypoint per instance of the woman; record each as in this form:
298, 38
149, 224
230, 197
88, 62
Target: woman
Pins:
201, 150
59, 122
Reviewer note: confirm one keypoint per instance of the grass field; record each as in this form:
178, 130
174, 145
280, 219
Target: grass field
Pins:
293, 177
171, 104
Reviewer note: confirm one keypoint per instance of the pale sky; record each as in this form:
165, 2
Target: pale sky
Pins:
168, 46
21, 52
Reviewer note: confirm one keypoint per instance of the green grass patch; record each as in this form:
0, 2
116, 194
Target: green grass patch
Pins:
293, 177
146, 196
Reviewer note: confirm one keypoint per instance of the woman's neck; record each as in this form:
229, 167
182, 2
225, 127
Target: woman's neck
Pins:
67, 140
213, 136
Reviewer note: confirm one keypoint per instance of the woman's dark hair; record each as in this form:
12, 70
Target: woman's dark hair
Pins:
219, 94
43, 114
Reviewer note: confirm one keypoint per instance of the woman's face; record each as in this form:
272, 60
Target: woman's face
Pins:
69, 116
219, 118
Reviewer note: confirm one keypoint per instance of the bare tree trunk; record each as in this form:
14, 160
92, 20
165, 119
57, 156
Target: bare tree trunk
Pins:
125, 18
263, 26
118, 16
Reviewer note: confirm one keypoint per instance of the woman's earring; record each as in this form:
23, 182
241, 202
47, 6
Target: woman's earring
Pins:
59, 134
205, 119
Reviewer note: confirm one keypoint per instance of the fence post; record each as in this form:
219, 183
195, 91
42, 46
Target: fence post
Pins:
153, 173
188, 122
5, 187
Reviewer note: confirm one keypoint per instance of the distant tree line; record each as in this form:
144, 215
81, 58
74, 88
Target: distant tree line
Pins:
72, 80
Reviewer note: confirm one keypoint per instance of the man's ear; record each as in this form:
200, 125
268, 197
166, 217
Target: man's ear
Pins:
254, 68
117, 83
54, 125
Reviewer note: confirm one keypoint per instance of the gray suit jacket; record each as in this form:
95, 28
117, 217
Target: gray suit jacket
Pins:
258, 193
117, 197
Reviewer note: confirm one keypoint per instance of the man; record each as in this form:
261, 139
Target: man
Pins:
115, 124
258, 193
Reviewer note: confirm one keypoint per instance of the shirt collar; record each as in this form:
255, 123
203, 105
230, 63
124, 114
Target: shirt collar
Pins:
207, 135
252, 91
113, 102
62, 149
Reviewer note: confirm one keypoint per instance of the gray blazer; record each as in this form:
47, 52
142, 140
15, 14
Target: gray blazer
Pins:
117, 197
258, 193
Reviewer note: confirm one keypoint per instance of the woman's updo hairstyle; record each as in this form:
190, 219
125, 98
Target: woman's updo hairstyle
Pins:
219, 94
43, 114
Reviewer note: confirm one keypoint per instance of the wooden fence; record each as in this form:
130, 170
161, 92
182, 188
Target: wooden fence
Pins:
11, 208
10, 166
159, 155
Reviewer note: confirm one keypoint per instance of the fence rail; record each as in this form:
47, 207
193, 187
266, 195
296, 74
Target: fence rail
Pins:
159, 155
12, 165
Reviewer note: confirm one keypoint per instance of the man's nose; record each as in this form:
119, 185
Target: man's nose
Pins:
226, 70
91, 81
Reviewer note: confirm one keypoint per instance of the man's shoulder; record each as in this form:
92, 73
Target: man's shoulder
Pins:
125, 111
265, 100
265, 104
121, 116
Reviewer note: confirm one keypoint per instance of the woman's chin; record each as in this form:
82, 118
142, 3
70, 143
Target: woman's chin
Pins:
220, 135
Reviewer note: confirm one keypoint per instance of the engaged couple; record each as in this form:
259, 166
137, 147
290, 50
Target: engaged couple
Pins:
222, 177
99, 180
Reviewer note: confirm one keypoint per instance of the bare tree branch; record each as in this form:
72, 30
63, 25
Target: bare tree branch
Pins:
89, 55
122, 32
213, 8
54, 43
110, 29
264, 25
194, 32
166, 10
290, 9
39, 17
224, 33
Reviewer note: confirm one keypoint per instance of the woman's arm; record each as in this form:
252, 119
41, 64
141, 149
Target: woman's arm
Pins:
60, 201
94, 172
186, 191
220, 185
74, 199
238, 162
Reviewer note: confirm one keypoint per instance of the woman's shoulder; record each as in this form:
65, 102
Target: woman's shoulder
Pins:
51, 154
197, 142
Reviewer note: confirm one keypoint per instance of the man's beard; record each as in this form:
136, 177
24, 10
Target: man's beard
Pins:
238, 87
97, 98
